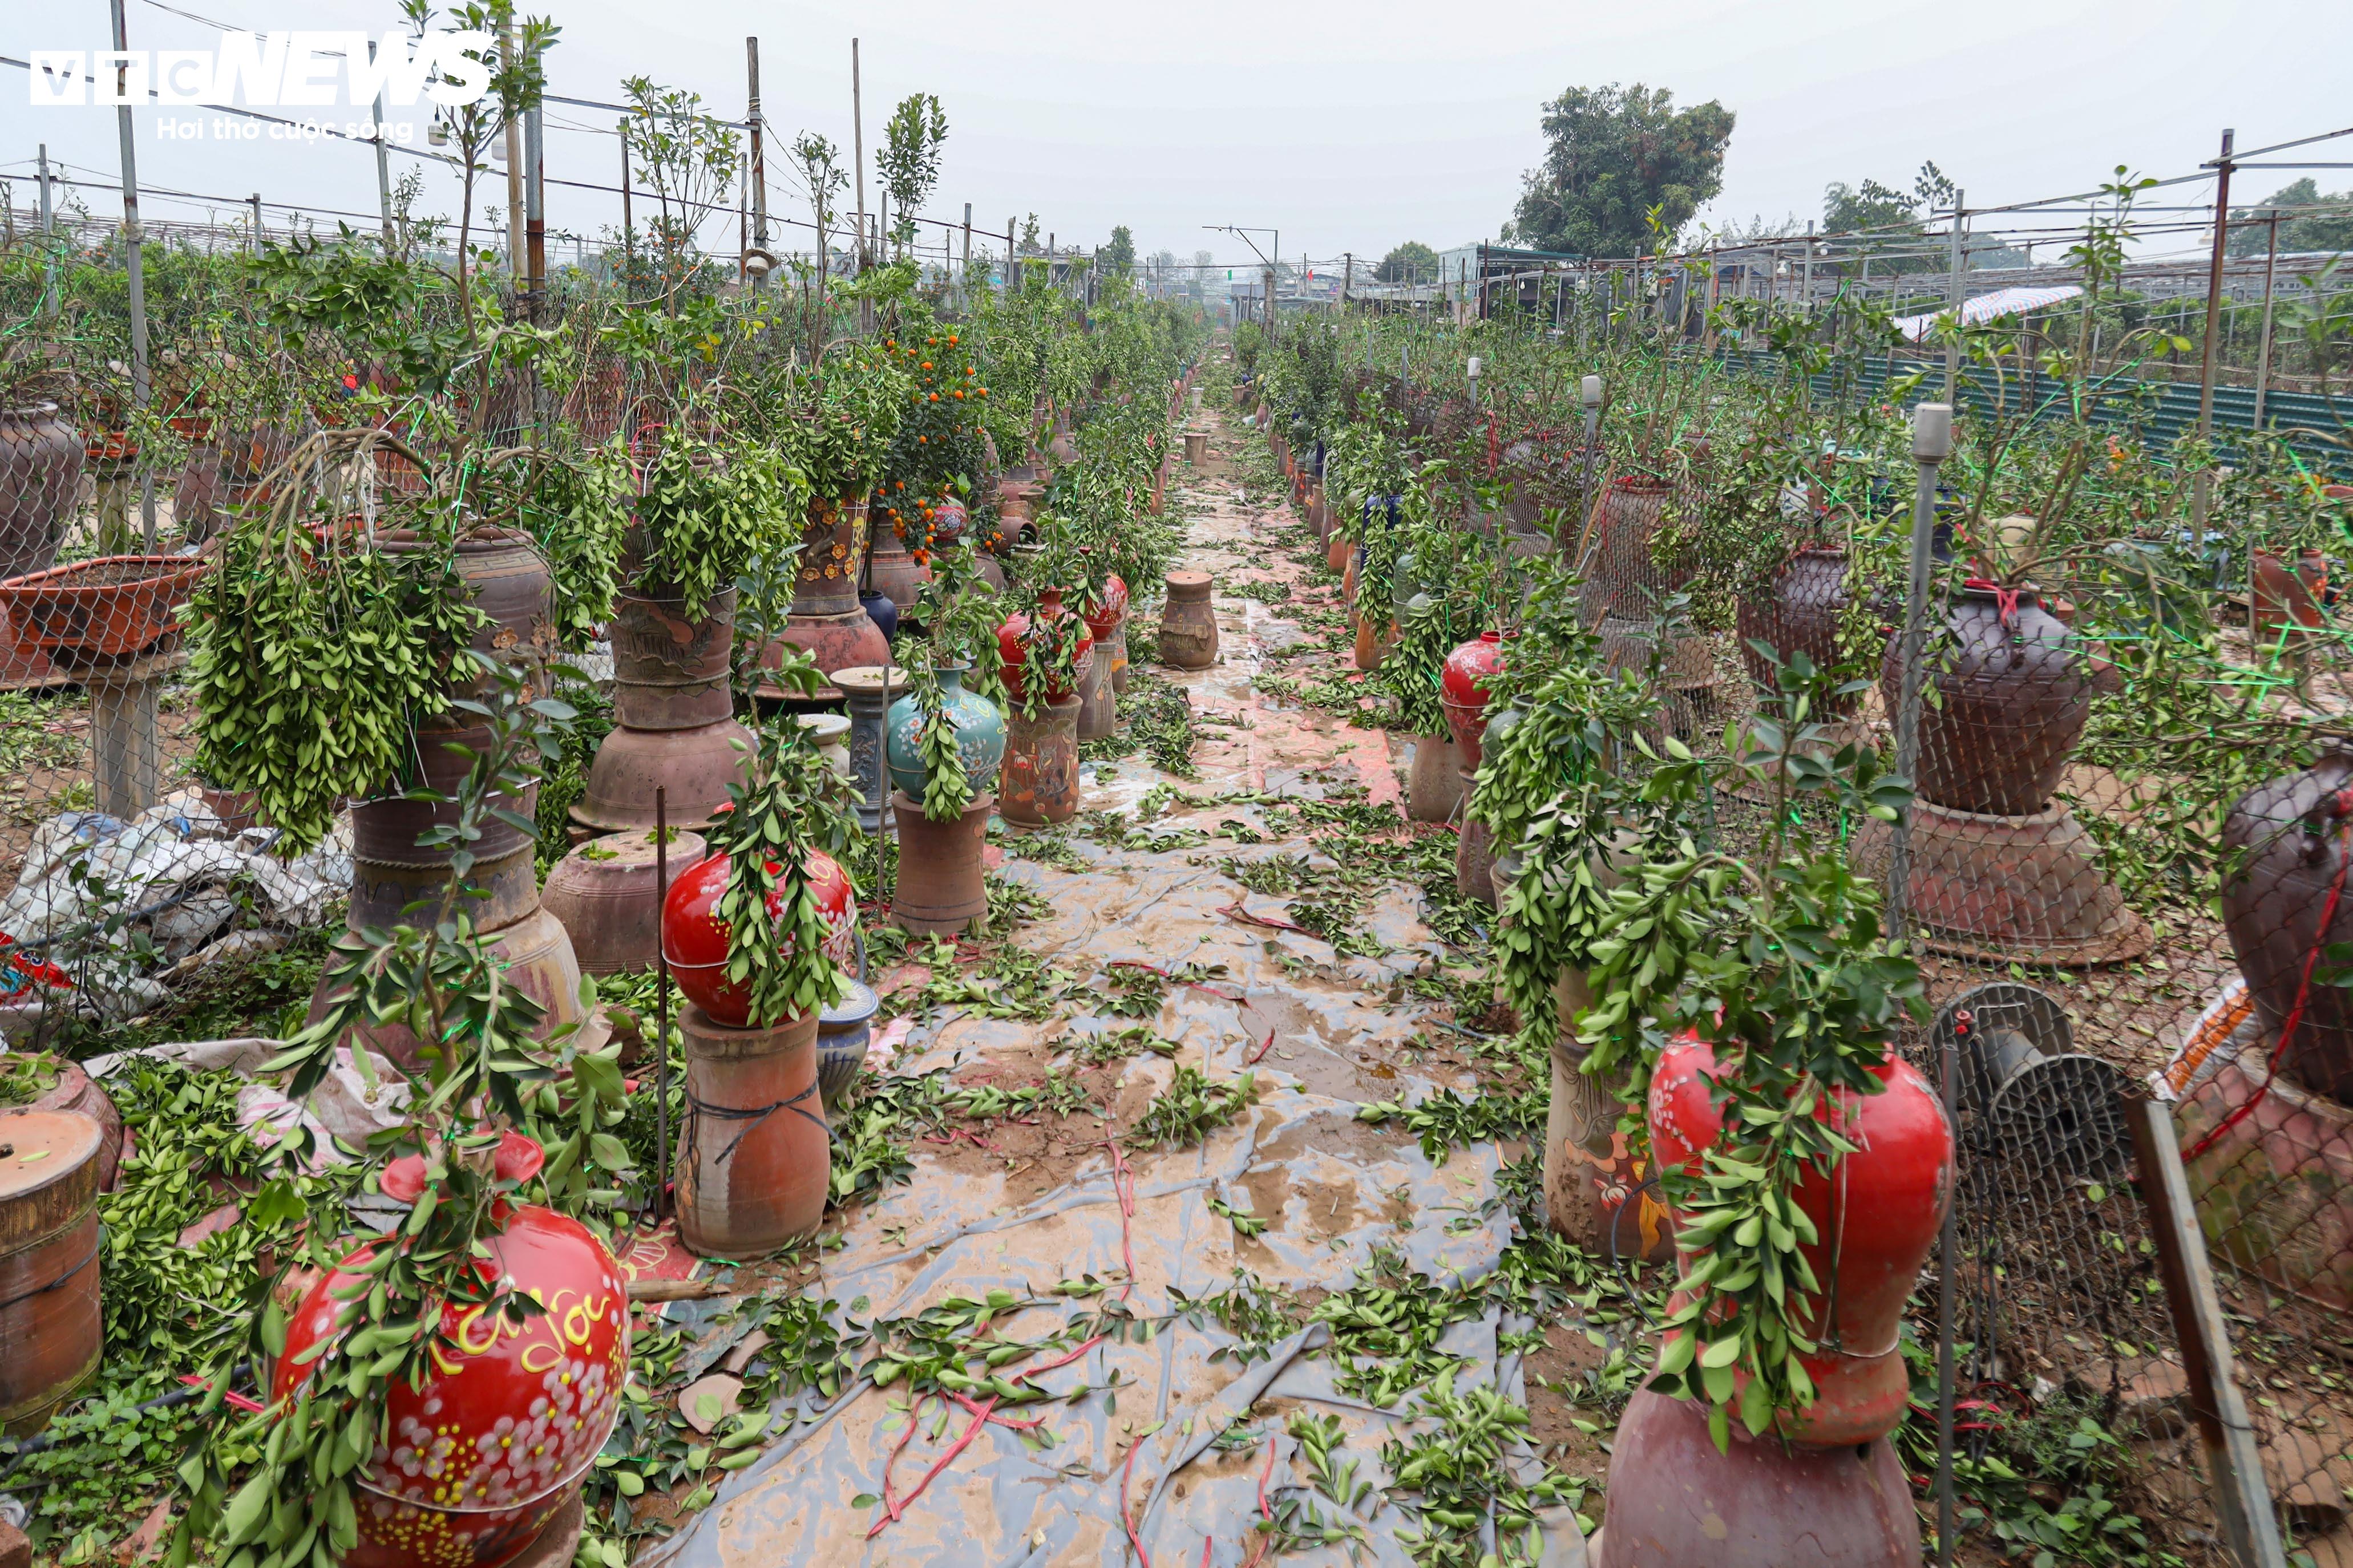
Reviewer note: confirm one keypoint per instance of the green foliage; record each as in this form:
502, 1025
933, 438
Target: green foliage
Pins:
1181, 1115
909, 158
710, 510
1611, 155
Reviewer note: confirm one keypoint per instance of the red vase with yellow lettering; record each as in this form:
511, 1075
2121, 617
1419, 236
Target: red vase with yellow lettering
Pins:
474, 1464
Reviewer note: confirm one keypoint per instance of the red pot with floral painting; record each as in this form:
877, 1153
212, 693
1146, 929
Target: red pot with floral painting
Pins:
1462, 692
473, 1464
695, 938
1012, 654
1875, 1214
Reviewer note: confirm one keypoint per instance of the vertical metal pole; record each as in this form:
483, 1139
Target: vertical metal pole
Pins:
517, 263
382, 166
628, 225
2263, 354
759, 159
662, 1004
134, 261
253, 237
1932, 443
535, 210
2202, 491
1954, 296
964, 279
858, 152
48, 219
1806, 282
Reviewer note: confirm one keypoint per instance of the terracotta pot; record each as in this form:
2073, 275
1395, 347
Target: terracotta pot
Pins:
49, 1317
1350, 566
79, 1092
940, 890
199, 492
1433, 787
1620, 575
537, 955
2286, 842
1801, 615
1098, 704
695, 765
1337, 552
507, 580
843, 1032
2280, 599
894, 573
1877, 1215
1374, 640
1474, 857
670, 670
1675, 1501
833, 541
979, 732
1115, 650
1462, 692
2289, 1160
606, 895
113, 607
1040, 782
832, 642
1188, 621
754, 1160
1196, 446
443, 1486
41, 460
1013, 657
2011, 698
390, 870
697, 938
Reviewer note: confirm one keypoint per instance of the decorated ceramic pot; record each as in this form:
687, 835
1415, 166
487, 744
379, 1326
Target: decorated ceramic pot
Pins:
1876, 1215
950, 519
475, 1462
843, 1032
1012, 655
1463, 691
979, 731
1104, 615
697, 938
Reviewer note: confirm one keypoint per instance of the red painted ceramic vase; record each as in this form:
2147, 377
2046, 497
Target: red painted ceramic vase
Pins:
695, 938
474, 1463
1463, 691
1011, 654
1876, 1214
1105, 611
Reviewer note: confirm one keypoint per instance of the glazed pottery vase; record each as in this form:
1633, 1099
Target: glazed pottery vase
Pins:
883, 610
2011, 698
867, 690
754, 1159
1876, 1215
1188, 621
476, 1460
843, 1032
979, 732
1107, 623
833, 541
1463, 691
697, 938
1040, 782
1013, 656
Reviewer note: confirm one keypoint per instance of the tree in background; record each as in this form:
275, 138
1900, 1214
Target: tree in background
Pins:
2298, 231
1412, 262
1901, 243
908, 161
1030, 245
1118, 258
1611, 154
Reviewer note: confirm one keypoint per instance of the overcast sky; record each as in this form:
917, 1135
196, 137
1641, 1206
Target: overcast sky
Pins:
1350, 127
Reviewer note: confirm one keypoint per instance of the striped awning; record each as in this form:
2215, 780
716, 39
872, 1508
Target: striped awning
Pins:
1985, 307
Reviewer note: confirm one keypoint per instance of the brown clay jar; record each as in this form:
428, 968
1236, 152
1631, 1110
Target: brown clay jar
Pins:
940, 891
2288, 842
1188, 621
754, 1160
1799, 614
2010, 702
49, 1317
1039, 781
1433, 785
607, 897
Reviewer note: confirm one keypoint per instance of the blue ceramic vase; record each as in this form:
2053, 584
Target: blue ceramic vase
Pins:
979, 727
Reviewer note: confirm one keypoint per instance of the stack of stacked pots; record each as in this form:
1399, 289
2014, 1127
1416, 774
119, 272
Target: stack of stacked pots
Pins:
826, 621
940, 889
1106, 618
552, 1382
1999, 868
673, 711
1040, 784
1823, 1485
507, 581
1462, 694
754, 1159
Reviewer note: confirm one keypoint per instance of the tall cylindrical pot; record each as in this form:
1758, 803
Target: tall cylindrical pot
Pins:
754, 1160
1188, 621
1040, 782
1433, 786
669, 669
41, 460
833, 538
49, 1320
940, 890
